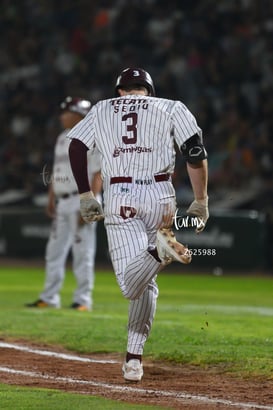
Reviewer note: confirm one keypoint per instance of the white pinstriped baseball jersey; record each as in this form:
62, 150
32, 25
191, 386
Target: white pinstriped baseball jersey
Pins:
136, 134
62, 179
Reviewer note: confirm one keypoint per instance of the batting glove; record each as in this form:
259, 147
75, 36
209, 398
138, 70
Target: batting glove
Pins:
199, 208
91, 209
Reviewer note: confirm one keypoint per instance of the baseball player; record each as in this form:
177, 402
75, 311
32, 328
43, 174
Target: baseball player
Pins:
68, 228
135, 134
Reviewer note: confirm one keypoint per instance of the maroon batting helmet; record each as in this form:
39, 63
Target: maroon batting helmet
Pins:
76, 104
135, 76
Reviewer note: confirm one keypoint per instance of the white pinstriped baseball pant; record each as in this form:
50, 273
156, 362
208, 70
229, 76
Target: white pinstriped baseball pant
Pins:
133, 214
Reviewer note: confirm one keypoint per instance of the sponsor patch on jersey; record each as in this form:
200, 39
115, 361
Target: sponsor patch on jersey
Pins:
139, 150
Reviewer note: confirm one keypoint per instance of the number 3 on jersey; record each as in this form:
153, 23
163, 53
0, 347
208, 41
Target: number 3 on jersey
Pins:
131, 127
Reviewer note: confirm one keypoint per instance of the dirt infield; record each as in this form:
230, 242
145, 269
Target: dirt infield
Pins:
173, 386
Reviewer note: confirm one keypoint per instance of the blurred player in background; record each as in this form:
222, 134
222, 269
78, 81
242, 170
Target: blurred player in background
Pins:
68, 230
135, 134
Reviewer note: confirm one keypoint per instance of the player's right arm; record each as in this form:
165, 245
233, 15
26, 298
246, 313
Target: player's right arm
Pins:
197, 166
188, 136
198, 174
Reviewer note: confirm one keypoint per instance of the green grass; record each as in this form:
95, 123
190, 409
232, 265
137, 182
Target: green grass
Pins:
20, 398
201, 319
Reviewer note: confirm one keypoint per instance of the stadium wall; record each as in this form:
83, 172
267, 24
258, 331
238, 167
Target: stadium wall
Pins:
233, 240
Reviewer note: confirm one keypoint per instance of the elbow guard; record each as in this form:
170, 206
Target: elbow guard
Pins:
194, 150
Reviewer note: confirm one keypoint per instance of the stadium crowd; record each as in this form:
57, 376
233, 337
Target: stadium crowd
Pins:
215, 56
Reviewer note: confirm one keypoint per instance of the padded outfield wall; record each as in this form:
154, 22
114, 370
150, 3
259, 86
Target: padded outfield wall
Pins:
234, 240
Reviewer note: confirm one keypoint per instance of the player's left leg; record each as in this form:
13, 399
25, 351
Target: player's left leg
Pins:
134, 266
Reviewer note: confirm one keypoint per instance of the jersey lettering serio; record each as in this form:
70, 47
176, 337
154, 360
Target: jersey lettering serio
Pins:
136, 134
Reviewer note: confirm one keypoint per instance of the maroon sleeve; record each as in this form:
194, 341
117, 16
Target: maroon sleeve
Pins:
78, 160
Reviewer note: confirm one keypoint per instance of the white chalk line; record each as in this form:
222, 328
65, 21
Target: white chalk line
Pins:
54, 354
134, 390
119, 388
258, 310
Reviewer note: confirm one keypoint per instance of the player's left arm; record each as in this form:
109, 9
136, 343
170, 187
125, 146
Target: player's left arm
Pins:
96, 188
78, 161
91, 209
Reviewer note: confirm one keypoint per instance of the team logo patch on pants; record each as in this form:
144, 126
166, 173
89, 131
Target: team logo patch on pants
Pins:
127, 212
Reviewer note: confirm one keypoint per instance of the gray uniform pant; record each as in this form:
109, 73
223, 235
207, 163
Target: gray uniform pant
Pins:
66, 234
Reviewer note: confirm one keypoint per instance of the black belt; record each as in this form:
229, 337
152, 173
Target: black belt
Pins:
129, 180
65, 196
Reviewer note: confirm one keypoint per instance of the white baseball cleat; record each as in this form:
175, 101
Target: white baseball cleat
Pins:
169, 249
132, 370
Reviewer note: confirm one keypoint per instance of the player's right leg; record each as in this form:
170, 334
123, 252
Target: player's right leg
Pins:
169, 249
57, 249
160, 206
140, 319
